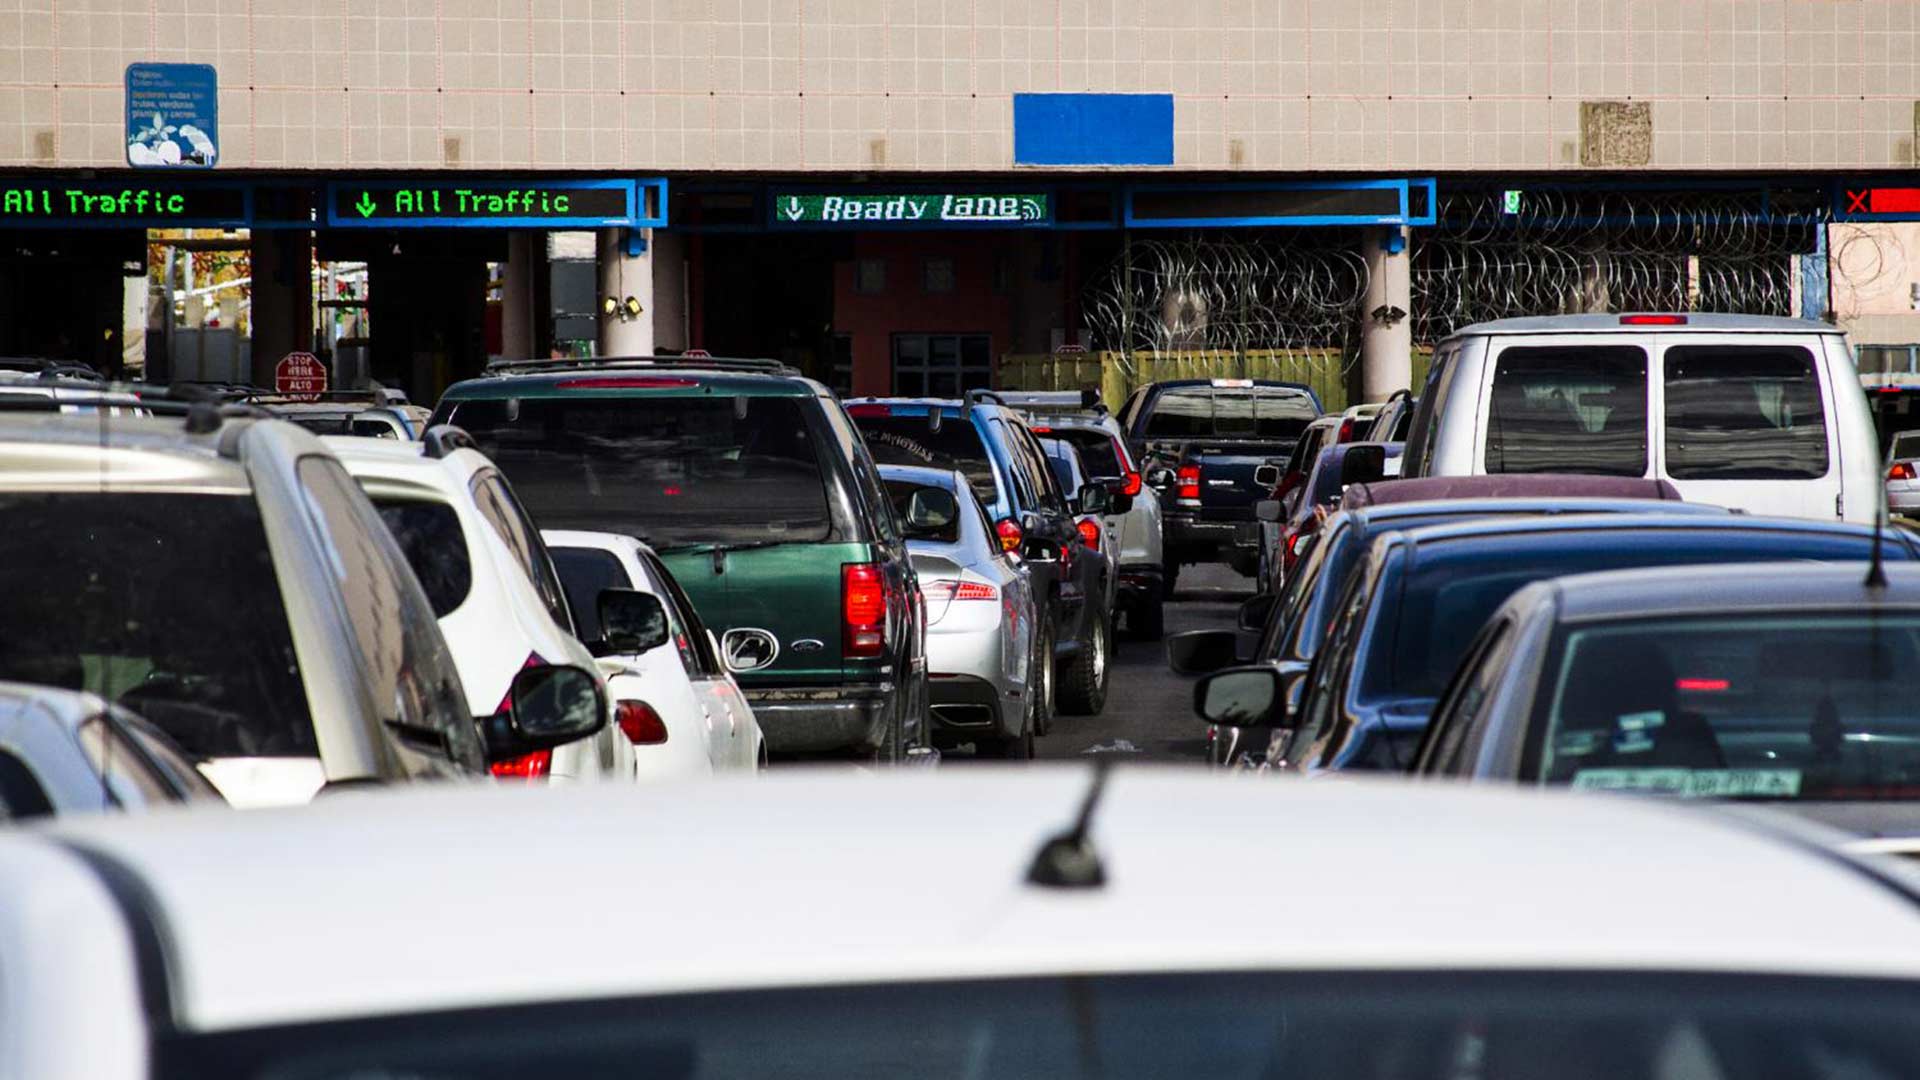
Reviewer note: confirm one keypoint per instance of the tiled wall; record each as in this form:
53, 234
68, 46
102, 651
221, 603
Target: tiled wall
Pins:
926, 84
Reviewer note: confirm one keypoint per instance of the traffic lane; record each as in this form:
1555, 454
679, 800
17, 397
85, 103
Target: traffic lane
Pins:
1149, 713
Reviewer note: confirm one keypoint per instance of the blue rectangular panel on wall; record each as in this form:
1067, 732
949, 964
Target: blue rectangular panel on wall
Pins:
1093, 129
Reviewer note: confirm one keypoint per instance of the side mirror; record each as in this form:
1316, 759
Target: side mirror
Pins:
1094, 499
1160, 476
547, 706
1363, 465
1202, 652
632, 621
1254, 611
1244, 697
1269, 510
1119, 501
930, 510
1267, 476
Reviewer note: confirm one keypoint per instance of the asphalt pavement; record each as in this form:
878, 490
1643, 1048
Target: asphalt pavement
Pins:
1149, 711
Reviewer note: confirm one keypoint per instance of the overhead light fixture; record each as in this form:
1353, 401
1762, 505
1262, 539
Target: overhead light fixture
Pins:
609, 306
633, 308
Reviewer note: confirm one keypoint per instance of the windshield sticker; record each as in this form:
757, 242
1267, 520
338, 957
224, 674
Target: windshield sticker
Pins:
901, 442
1695, 784
1635, 734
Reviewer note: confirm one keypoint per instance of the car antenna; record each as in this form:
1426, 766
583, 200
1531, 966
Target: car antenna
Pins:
1876, 571
1067, 860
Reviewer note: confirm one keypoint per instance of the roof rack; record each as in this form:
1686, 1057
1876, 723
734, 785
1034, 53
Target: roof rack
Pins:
596, 363
984, 397
203, 412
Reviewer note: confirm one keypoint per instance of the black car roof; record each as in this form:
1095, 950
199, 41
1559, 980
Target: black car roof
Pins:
1746, 588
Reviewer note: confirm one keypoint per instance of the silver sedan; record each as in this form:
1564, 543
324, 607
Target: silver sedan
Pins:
985, 685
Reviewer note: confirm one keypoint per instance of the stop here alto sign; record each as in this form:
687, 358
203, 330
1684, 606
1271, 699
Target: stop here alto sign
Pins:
300, 373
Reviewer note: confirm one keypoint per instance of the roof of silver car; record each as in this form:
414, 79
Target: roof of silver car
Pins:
1745, 588
1695, 323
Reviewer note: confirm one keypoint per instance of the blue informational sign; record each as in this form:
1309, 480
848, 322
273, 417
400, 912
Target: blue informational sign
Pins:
173, 116
1093, 129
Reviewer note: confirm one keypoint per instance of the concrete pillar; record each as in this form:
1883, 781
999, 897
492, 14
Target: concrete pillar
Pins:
517, 311
1386, 324
282, 291
623, 276
670, 291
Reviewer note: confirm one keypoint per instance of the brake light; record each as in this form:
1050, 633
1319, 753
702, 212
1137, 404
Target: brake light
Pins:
1041, 430
1295, 542
958, 590
529, 767
1346, 431
506, 700
1127, 471
1902, 470
1653, 320
639, 723
1701, 684
863, 609
1187, 482
1089, 532
869, 410
625, 382
1008, 530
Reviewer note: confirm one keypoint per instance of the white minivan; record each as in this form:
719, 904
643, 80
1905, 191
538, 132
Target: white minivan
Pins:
1750, 412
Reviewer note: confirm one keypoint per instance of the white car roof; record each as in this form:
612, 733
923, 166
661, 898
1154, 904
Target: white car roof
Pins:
412, 900
404, 459
67, 708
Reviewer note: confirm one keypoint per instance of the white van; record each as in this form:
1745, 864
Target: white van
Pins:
1749, 412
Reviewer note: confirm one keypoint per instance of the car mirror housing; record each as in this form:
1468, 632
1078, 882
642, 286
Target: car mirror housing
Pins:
1365, 464
1160, 476
547, 706
1201, 652
632, 621
1094, 499
1256, 610
1243, 697
1270, 510
1267, 476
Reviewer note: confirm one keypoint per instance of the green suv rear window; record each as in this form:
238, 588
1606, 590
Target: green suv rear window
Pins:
675, 471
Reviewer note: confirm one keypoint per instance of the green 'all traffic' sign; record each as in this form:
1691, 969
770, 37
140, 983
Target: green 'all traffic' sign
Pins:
926, 209
434, 203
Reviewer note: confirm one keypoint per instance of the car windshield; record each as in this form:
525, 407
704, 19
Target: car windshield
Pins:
1570, 1026
1766, 707
165, 603
1448, 597
675, 470
894, 439
1205, 412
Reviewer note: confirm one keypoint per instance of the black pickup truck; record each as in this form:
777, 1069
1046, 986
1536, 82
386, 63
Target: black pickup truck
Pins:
1203, 439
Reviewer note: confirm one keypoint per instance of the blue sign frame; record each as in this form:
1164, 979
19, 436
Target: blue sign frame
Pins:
168, 105
1402, 187
633, 218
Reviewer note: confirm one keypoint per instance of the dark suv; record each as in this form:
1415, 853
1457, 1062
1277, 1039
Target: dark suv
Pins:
1213, 435
758, 493
993, 447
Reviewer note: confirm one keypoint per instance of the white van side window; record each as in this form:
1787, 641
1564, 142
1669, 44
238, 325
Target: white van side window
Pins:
1569, 409
1744, 412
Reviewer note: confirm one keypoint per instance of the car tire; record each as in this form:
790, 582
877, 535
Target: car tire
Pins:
1149, 621
1040, 679
1083, 689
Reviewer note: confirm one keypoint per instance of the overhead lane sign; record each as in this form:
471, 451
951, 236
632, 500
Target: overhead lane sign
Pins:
138, 204
910, 209
490, 204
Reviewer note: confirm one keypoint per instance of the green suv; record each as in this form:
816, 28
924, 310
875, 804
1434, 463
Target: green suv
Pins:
759, 494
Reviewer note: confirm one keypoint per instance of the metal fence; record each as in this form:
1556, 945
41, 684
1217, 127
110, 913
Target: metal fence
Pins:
1120, 374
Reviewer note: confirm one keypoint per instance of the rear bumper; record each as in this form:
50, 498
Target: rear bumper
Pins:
816, 719
1188, 536
1140, 585
966, 707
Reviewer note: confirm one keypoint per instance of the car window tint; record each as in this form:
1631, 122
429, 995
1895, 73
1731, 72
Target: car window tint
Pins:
1186, 413
584, 572
900, 493
429, 534
510, 520
1569, 409
167, 757
1906, 445
128, 774
1040, 473
21, 796
1744, 412
415, 686
1424, 421
1019, 470
1319, 708
1454, 718
167, 603
1098, 455
673, 470
911, 440
706, 662
1060, 462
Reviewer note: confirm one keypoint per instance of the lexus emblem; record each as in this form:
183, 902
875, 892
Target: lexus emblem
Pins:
749, 648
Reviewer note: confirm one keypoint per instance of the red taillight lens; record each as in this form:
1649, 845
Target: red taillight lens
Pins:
1701, 685
506, 700
1296, 542
1187, 482
1090, 533
1346, 431
1127, 471
1901, 471
625, 382
1653, 320
936, 591
639, 723
863, 609
531, 767
1008, 530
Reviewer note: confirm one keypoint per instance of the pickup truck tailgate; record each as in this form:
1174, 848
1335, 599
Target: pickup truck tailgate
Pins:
1227, 487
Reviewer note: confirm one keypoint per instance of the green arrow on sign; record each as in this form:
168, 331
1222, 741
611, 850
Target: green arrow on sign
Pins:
366, 205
